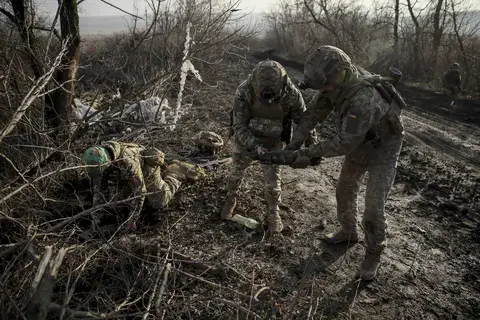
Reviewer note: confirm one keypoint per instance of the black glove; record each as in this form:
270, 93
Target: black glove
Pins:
301, 159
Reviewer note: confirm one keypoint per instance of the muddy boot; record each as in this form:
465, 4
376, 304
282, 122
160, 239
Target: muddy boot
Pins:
369, 267
229, 207
274, 222
341, 236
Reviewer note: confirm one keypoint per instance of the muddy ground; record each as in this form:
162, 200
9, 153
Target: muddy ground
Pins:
430, 270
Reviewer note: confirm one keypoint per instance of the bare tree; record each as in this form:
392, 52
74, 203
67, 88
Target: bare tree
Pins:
66, 74
59, 102
396, 37
439, 18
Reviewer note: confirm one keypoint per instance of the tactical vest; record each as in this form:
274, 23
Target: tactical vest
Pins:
267, 122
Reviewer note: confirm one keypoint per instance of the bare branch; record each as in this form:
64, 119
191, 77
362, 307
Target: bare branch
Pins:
33, 94
9, 15
114, 6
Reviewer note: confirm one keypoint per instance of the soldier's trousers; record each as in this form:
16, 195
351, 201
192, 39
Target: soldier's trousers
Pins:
272, 178
380, 181
164, 188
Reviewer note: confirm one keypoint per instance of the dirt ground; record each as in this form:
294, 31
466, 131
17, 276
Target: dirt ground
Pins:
430, 270
431, 267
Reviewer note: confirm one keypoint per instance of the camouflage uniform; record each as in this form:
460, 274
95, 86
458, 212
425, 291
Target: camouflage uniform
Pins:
370, 135
452, 80
136, 173
260, 124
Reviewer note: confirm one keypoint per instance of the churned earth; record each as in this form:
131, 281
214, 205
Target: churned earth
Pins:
431, 267
218, 270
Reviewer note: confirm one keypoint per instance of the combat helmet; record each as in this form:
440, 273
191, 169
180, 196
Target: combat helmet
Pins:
325, 67
97, 156
208, 142
269, 80
455, 65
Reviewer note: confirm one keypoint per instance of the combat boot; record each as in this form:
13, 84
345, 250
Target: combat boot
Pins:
229, 207
275, 224
369, 267
341, 236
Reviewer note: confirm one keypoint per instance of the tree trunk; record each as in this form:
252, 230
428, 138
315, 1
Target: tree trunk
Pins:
66, 74
395, 26
456, 28
416, 41
26, 33
437, 34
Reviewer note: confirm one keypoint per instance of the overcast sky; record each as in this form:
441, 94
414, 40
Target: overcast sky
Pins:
98, 8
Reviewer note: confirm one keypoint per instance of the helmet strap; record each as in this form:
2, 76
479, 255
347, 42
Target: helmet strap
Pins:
110, 152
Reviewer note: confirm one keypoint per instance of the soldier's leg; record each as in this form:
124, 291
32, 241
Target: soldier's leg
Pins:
380, 181
240, 163
348, 186
164, 189
273, 196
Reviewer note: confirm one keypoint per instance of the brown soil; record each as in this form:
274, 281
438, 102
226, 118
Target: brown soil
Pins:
430, 270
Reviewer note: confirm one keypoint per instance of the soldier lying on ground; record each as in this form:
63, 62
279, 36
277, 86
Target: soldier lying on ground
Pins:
137, 172
370, 135
264, 106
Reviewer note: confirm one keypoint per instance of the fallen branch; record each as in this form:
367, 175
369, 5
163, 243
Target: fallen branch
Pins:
237, 306
73, 314
168, 269
19, 189
42, 286
14, 247
12, 302
128, 242
91, 210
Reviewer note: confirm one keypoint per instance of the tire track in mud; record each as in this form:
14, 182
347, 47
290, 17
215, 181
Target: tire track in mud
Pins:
425, 128
421, 132
438, 145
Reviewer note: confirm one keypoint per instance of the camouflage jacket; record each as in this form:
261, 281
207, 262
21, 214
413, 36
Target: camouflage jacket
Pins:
360, 110
292, 105
126, 172
452, 78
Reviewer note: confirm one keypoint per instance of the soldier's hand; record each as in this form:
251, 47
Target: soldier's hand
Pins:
260, 150
301, 160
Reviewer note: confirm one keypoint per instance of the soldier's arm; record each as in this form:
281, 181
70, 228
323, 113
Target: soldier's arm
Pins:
100, 194
132, 169
296, 110
295, 103
355, 124
241, 118
316, 112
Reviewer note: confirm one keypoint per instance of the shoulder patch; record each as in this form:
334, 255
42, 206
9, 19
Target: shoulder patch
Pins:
352, 123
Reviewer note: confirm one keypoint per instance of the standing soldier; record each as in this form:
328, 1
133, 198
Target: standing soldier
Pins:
370, 136
136, 173
452, 80
265, 105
